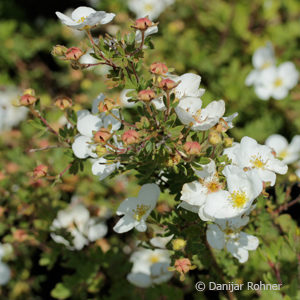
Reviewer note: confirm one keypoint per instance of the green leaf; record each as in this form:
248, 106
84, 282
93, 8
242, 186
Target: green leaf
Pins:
60, 292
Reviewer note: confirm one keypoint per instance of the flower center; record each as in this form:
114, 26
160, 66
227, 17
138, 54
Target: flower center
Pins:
283, 154
140, 211
148, 7
238, 199
228, 231
81, 20
267, 64
257, 162
278, 82
213, 186
154, 259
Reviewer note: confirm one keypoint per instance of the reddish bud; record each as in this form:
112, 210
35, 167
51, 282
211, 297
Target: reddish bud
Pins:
143, 24
27, 100
192, 148
20, 235
146, 95
130, 137
102, 136
167, 84
158, 68
63, 102
182, 265
40, 171
73, 53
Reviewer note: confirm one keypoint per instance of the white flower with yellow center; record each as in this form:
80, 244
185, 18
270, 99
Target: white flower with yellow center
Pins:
262, 59
76, 220
150, 266
150, 8
227, 234
194, 194
85, 18
250, 155
137, 209
289, 153
275, 82
242, 188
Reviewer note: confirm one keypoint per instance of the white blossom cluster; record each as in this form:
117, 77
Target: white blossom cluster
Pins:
81, 227
5, 272
270, 81
10, 115
228, 206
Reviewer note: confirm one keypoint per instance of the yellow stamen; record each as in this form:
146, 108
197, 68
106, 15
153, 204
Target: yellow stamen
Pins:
140, 211
213, 186
257, 162
81, 20
283, 154
278, 82
154, 259
266, 65
148, 7
238, 198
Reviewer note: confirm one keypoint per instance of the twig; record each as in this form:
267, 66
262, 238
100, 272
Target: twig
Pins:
285, 206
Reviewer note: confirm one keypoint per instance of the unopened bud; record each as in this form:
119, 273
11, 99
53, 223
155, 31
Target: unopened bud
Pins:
183, 265
40, 171
73, 53
30, 92
102, 136
228, 142
192, 148
130, 137
143, 24
63, 102
27, 100
59, 50
178, 244
106, 105
174, 160
101, 150
146, 95
214, 138
167, 84
158, 68
222, 126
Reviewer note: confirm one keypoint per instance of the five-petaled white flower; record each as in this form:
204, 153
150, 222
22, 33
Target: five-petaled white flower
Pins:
84, 147
150, 8
227, 234
289, 153
85, 17
276, 82
242, 189
150, 266
250, 155
136, 210
262, 58
76, 220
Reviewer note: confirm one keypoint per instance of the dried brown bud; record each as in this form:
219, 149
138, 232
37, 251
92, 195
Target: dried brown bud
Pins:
63, 102
106, 105
73, 53
167, 84
102, 136
27, 100
146, 95
158, 68
40, 171
130, 137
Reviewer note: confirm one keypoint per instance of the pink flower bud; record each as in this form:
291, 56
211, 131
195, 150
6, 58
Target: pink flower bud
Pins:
146, 95
192, 148
167, 84
102, 136
158, 68
143, 24
130, 137
40, 171
27, 100
73, 53
183, 265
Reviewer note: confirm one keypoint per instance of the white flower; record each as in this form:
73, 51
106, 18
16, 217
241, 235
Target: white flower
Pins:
10, 115
85, 17
190, 112
298, 169
136, 210
243, 187
124, 98
238, 243
151, 30
76, 220
5, 273
263, 58
277, 81
150, 266
289, 153
83, 146
150, 8
250, 155
195, 193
